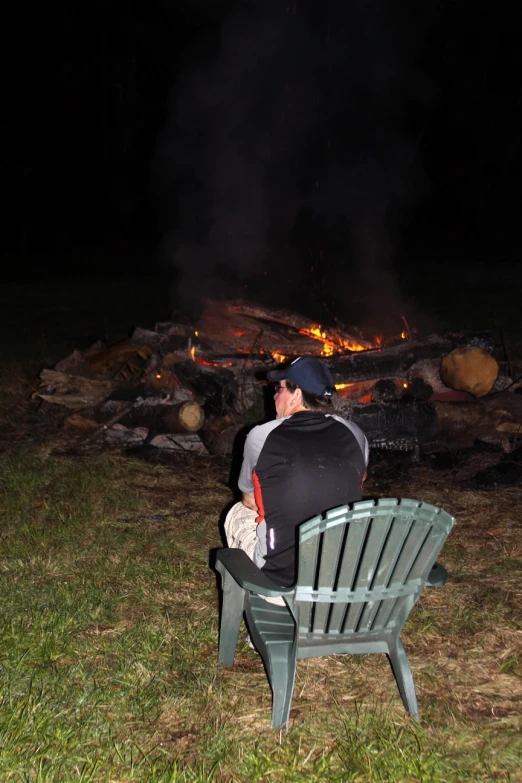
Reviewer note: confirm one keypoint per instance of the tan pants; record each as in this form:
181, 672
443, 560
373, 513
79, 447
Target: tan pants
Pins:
241, 533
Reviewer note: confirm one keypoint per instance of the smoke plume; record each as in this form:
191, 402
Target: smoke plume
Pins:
284, 169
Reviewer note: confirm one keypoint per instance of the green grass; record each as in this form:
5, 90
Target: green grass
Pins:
108, 650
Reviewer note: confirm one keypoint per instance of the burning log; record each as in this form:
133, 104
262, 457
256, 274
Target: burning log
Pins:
245, 327
397, 361
335, 339
244, 335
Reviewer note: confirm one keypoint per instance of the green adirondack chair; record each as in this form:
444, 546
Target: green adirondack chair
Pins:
361, 569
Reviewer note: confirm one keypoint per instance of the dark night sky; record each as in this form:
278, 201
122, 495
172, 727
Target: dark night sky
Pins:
307, 140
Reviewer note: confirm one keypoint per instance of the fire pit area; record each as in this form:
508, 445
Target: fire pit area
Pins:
194, 387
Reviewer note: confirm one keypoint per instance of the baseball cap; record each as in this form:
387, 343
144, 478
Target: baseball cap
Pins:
308, 373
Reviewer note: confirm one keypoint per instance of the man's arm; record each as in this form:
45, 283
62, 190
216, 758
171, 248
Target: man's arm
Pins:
249, 500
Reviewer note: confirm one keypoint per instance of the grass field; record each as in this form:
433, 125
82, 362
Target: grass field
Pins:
108, 650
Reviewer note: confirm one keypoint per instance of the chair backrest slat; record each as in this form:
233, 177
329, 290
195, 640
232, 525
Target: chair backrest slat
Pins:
390, 553
361, 569
381, 618
373, 545
327, 567
330, 554
370, 608
337, 615
351, 556
412, 546
309, 551
353, 615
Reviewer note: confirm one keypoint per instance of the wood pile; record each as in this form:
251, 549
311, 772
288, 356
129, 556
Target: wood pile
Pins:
188, 387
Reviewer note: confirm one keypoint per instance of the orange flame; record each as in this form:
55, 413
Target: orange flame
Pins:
279, 357
331, 346
193, 353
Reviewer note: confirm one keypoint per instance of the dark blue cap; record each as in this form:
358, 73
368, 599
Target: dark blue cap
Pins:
308, 373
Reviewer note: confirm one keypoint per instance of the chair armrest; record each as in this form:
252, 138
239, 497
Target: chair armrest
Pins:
247, 574
437, 576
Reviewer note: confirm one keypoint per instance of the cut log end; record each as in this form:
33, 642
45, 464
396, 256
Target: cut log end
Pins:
187, 417
469, 369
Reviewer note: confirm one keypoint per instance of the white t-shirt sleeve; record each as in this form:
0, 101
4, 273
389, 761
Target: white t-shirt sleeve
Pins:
253, 445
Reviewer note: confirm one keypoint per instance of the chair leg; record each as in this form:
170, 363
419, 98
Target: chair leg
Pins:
282, 677
402, 671
231, 615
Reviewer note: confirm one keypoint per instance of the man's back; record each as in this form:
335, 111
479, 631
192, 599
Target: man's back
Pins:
301, 465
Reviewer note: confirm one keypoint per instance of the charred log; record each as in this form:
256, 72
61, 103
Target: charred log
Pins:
393, 426
214, 388
429, 427
396, 361
246, 335
343, 340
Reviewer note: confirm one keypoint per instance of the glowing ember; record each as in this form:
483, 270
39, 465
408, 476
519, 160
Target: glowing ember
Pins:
213, 364
279, 357
406, 334
193, 353
362, 392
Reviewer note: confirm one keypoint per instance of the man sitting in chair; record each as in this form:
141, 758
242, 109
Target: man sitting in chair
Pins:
306, 461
